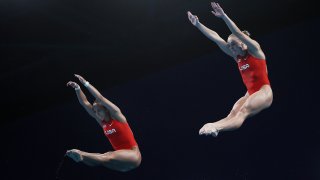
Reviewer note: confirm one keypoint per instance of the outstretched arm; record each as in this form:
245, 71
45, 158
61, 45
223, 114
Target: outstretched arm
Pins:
82, 98
112, 108
212, 35
253, 46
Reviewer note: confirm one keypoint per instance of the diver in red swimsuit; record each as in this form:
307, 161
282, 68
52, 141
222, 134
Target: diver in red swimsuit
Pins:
251, 61
127, 155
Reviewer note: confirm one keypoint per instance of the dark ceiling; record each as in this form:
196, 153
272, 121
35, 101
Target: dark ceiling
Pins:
43, 42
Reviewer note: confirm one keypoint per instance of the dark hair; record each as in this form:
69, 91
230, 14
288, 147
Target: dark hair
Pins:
246, 32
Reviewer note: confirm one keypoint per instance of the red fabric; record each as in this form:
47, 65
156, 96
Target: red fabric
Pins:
253, 71
119, 134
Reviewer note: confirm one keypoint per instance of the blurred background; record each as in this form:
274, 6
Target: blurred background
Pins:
167, 78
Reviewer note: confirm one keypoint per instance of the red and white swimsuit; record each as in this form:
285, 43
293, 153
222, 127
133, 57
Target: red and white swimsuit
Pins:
253, 71
119, 134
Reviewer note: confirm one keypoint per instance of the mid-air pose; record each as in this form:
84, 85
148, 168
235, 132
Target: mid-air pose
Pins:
126, 155
251, 61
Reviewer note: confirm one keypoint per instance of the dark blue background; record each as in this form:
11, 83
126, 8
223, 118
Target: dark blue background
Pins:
166, 107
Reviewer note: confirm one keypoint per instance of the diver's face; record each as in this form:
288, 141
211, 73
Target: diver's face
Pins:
235, 45
99, 110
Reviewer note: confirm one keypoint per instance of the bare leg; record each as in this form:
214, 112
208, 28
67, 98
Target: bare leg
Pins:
121, 160
90, 159
235, 109
253, 104
211, 128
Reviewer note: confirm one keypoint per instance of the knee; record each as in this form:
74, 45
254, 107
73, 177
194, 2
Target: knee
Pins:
136, 161
240, 116
269, 98
232, 113
244, 111
269, 101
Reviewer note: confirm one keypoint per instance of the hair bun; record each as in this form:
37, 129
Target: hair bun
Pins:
246, 32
